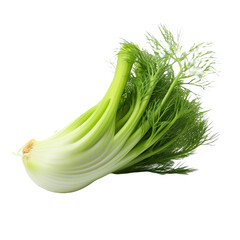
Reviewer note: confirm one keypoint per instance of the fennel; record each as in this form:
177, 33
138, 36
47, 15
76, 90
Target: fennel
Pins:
147, 120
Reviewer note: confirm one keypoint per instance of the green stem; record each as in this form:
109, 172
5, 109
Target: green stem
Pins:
140, 148
172, 85
156, 151
105, 114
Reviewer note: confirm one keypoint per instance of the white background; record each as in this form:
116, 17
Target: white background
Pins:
54, 65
